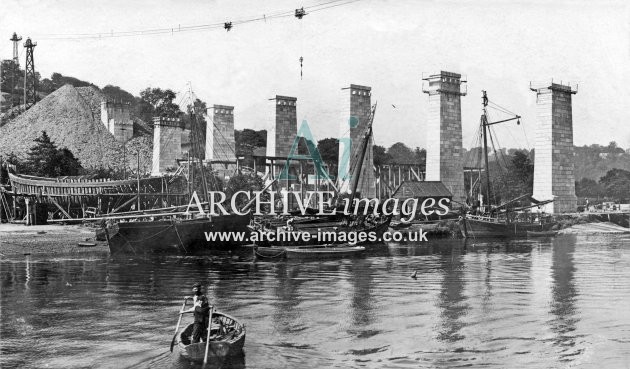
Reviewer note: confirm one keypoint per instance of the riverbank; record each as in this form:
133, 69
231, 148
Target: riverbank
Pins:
594, 228
18, 239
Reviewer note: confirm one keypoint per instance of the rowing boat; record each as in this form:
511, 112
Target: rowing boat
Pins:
227, 338
541, 233
280, 252
341, 251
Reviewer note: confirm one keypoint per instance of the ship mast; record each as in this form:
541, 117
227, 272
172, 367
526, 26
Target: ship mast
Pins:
196, 144
485, 124
364, 146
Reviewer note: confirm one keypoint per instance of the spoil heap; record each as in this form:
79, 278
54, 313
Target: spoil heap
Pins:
71, 117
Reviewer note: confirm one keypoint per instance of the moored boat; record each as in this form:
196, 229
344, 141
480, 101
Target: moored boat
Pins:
271, 252
174, 235
339, 251
541, 234
483, 227
320, 234
510, 219
227, 338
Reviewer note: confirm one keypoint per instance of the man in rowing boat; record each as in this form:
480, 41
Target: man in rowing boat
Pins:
201, 310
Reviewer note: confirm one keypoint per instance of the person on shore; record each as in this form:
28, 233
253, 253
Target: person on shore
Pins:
201, 310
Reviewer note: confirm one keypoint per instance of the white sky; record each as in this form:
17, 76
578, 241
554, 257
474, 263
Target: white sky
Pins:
499, 45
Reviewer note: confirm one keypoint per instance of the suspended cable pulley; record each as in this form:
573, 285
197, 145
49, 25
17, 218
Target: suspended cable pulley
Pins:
300, 13
301, 60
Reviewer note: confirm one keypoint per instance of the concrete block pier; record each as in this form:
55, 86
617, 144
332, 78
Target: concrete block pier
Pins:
554, 160
220, 143
116, 118
282, 126
167, 144
445, 161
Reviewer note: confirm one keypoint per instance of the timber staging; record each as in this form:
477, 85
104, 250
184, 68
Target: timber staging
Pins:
80, 198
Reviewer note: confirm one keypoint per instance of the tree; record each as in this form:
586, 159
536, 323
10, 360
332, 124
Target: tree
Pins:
247, 141
511, 178
11, 76
155, 102
400, 153
66, 164
46, 86
616, 183
46, 160
7, 70
523, 170
587, 187
116, 93
329, 150
421, 157
380, 155
58, 80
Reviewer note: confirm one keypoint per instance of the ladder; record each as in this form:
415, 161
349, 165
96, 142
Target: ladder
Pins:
5, 206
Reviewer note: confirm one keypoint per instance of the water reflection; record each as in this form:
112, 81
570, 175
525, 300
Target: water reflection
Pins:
487, 305
286, 314
564, 296
452, 299
362, 302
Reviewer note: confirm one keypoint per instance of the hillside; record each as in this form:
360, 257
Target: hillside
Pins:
71, 117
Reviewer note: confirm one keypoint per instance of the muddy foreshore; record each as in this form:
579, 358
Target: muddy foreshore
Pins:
18, 239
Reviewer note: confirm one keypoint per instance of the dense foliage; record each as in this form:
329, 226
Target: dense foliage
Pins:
156, 102
46, 160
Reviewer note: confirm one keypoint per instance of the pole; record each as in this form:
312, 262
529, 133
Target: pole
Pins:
124, 161
302, 181
484, 123
205, 357
138, 177
191, 173
178, 321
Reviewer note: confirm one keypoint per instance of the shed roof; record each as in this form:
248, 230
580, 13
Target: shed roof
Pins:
422, 189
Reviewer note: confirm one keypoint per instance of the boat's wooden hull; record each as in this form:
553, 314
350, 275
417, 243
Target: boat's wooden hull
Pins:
173, 236
324, 252
372, 234
230, 345
476, 228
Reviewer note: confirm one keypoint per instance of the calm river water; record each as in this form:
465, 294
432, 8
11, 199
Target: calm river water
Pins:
525, 303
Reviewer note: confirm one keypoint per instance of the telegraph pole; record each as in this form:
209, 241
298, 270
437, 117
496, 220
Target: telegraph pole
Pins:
16, 64
30, 82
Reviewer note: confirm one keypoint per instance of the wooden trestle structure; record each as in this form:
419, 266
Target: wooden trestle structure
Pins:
76, 197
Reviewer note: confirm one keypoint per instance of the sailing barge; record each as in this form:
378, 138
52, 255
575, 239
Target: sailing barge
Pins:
505, 220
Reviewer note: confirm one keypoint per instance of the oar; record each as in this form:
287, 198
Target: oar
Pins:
178, 321
205, 358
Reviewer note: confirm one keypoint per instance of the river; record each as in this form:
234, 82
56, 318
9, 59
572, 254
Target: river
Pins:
551, 303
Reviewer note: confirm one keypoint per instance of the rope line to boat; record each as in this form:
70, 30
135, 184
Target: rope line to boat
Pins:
128, 243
